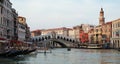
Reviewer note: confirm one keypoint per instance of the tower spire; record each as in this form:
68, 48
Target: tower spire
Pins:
101, 17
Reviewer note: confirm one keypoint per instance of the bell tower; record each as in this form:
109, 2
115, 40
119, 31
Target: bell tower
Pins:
101, 17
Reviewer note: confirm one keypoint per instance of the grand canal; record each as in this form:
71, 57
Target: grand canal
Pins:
62, 56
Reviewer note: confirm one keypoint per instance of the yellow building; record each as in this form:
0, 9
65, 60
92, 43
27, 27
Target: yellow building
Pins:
71, 33
103, 33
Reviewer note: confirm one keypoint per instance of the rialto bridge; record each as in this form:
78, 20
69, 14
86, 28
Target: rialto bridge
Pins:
54, 40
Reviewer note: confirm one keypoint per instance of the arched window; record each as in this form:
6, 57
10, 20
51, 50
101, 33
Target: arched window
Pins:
39, 39
46, 38
49, 37
58, 37
36, 40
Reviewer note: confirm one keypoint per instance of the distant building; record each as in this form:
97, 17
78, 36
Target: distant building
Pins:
21, 28
87, 27
107, 31
91, 36
102, 32
76, 30
28, 34
115, 33
84, 27
101, 17
83, 37
35, 33
71, 33
60, 31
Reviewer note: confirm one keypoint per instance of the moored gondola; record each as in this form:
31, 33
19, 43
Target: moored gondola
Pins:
29, 51
3, 54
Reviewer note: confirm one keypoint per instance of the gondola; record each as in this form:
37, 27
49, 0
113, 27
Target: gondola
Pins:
29, 51
4, 54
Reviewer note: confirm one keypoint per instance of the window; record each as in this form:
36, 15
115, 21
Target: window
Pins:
113, 25
117, 33
96, 30
1, 10
1, 1
118, 24
7, 23
1, 20
112, 34
0, 33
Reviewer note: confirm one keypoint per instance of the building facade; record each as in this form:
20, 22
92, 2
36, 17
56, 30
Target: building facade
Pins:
76, 30
87, 27
71, 33
21, 28
91, 36
83, 37
107, 31
60, 31
102, 32
35, 33
6, 20
84, 27
15, 16
28, 34
115, 40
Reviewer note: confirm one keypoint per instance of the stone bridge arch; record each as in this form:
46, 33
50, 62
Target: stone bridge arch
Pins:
60, 43
62, 40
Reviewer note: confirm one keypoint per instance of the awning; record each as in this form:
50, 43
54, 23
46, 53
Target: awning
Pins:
3, 41
16, 41
2, 38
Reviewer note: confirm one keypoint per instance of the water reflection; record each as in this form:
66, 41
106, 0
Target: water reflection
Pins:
62, 56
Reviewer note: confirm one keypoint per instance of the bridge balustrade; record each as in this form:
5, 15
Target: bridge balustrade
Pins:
61, 38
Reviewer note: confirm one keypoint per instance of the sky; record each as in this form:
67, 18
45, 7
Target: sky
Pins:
46, 14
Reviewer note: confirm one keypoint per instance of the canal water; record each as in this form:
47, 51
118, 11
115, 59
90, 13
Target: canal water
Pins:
62, 56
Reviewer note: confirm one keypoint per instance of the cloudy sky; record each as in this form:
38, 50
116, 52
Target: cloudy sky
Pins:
45, 14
